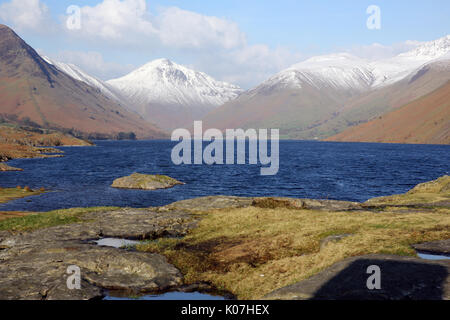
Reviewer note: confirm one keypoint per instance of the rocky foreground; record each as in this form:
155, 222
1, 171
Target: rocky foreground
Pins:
34, 263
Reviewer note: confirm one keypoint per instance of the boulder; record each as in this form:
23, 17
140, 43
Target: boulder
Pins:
145, 182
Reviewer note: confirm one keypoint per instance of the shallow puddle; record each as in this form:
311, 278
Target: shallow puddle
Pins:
428, 256
171, 296
115, 242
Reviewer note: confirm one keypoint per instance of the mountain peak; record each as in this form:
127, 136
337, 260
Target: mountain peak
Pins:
430, 50
162, 85
163, 62
5, 28
338, 70
7, 34
334, 60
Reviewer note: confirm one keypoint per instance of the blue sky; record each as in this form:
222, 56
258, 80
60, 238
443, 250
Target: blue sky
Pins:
241, 41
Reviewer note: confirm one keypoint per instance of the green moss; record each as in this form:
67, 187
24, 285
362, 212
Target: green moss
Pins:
48, 219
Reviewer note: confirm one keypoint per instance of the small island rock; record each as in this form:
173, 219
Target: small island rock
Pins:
145, 182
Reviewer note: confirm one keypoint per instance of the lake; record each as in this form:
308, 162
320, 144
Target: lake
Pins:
322, 170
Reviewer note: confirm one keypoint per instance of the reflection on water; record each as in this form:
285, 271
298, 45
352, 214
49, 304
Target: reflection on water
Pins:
428, 256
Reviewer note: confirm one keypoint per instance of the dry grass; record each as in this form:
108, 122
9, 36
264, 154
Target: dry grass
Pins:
428, 193
253, 251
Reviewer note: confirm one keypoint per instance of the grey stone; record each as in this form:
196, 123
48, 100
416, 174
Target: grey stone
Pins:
435, 247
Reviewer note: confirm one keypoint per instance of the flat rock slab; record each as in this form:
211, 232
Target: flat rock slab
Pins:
145, 182
210, 203
33, 265
41, 273
436, 247
401, 278
309, 204
222, 202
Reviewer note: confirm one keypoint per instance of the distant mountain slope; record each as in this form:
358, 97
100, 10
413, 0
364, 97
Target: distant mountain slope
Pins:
381, 100
426, 120
33, 89
324, 95
80, 75
173, 95
389, 71
298, 97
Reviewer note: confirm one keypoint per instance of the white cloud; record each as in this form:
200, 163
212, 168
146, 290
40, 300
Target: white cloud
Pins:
181, 28
125, 22
115, 20
219, 46
215, 45
25, 15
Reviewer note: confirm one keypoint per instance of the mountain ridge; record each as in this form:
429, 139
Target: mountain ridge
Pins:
304, 100
425, 120
31, 89
162, 88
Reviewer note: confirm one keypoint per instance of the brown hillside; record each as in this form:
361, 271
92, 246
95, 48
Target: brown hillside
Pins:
32, 89
310, 113
426, 120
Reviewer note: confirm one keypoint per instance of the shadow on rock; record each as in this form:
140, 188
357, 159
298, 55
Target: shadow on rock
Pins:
402, 278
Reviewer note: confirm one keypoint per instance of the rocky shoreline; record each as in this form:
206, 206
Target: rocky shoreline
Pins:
34, 263
23, 143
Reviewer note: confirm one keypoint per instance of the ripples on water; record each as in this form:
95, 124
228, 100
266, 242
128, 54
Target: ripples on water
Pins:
341, 171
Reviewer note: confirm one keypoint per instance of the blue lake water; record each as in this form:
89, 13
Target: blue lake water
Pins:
341, 171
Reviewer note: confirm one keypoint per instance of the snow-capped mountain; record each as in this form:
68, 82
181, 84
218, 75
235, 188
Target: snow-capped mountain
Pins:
80, 75
389, 71
325, 94
161, 88
164, 81
345, 71
338, 71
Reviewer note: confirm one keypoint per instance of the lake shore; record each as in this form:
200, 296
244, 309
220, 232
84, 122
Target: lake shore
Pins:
249, 247
26, 142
